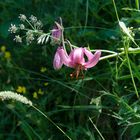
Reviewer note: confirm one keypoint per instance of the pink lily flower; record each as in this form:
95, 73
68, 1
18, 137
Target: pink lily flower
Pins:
56, 34
76, 59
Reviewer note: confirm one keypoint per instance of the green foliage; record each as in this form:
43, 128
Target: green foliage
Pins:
107, 94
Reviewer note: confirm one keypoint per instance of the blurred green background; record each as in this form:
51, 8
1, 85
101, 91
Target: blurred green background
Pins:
106, 94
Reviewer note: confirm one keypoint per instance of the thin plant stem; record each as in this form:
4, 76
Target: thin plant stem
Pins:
129, 9
137, 4
86, 20
130, 69
30, 24
63, 40
123, 132
129, 50
115, 8
51, 121
106, 51
111, 56
97, 129
113, 53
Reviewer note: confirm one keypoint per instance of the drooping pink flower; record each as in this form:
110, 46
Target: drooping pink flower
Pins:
56, 34
57, 62
76, 59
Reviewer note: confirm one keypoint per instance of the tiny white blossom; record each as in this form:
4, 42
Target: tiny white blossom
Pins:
29, 33
39, 24
33, 19
13, 28
22, 17
21, 26
29, 37
18, 39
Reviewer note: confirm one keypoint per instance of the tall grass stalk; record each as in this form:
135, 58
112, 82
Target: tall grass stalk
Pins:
51, 121
86, 20
115, 10
97, 129
137, 4
126, 46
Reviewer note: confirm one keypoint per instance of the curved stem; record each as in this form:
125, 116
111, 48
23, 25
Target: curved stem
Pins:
63, 40
111, 56
106, 51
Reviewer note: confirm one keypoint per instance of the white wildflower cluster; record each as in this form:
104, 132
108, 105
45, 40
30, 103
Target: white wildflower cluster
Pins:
31, 27
7, 95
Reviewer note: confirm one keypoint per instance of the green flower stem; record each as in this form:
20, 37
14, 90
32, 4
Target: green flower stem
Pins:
112, 53
130, 50
63, 40
106, 51
30, 24
111, 56
36, 31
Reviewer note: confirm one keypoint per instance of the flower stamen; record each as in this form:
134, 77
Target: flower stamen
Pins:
78, 72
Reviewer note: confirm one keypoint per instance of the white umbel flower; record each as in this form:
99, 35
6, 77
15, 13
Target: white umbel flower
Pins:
22, 17
33, 19
21, 26
29, 37
13, 28
18, 39
6, 95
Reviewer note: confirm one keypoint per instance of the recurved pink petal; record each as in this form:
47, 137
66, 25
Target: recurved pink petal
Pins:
64, 57
57, 62
88, 53
92, 60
